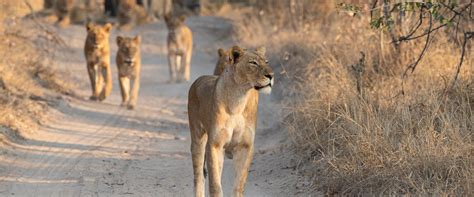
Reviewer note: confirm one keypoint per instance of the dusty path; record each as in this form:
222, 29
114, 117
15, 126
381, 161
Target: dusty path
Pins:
99, 149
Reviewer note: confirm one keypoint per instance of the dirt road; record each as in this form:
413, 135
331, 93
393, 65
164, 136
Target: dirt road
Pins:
100, 149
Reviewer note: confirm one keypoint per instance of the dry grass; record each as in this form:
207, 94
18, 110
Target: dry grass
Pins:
28, 80
371, 139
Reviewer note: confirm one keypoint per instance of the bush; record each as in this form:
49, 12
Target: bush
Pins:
356, 124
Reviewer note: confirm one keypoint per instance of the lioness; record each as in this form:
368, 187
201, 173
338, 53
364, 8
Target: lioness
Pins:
180, 48
129, 13
97, 52
129, 65
223, 60
223, 116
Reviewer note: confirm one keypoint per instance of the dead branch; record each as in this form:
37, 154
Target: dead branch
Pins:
467, 36
412, 67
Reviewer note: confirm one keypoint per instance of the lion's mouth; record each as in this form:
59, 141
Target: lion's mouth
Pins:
264, 86
129, 62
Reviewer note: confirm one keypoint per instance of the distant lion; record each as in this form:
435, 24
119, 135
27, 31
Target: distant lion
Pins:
97, 53
222, 112
129, 14
129, 65
63, 10
180, 48
157, 9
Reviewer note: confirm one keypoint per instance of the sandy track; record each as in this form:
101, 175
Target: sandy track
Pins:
99, 149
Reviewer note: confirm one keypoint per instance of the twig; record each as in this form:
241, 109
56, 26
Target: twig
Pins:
467, 36
411, 37
428, 36
420, 21
413, 66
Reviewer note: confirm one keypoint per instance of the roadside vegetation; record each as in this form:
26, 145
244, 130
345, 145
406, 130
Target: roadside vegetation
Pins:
28, 81
373, 103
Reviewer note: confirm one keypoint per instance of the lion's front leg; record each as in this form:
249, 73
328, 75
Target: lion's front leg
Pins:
172, 66
242, 155
198, 149
124, 89
242, 160
134, 92
106, 80
215, 159
92, 73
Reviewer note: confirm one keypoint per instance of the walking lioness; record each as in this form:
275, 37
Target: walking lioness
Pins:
97, 52
222, 118
180, 47
129, 65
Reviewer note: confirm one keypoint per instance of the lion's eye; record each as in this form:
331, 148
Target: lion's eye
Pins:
253, 63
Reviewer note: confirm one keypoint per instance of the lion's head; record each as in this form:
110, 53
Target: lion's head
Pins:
250, 68
172, 22
129, 49
98, 35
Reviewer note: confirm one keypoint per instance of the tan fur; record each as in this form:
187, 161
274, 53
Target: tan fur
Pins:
157, 9
129, 14
48, 4
222, 118
97, 52
222, 62
129, 65
87, 10
63, 11
180, 48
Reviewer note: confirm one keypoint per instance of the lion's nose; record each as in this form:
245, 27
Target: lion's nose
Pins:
269, 76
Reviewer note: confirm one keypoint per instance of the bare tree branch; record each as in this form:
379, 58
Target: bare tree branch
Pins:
412, 67
467, 36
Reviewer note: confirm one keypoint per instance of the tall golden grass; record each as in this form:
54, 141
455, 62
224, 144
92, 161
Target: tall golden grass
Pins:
349, 123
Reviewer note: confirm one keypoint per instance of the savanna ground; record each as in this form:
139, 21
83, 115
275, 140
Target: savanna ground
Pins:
338, 122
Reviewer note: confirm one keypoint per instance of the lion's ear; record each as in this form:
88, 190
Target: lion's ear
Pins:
137, 39
89, 26
221, 52
236, 53
119, 40
107, 27
261, 51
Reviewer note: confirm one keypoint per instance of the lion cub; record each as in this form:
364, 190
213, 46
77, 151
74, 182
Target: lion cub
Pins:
129, 65
97, 53
222, 114
180, 47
